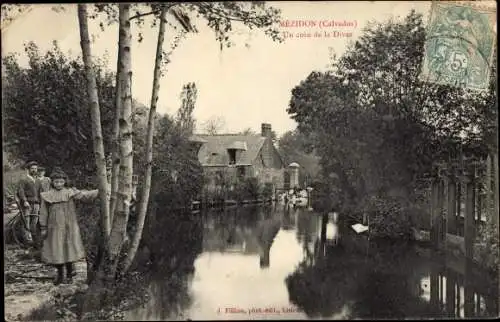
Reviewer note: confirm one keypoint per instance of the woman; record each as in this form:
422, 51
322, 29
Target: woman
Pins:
62, 245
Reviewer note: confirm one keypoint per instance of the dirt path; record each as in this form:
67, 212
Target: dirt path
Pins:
29, 283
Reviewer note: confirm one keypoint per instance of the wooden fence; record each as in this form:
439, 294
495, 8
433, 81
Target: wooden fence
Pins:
462, 202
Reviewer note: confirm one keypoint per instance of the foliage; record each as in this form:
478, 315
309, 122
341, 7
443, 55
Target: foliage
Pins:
248, 189
294, 146
219, 16
487, 238
267, 190
390, 218
377, 126
11, 181
184, 118
10, 162
140, 123
55, 129
11, 11
486, 249
177, 173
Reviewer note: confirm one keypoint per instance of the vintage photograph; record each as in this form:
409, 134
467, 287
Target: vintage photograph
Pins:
251, 160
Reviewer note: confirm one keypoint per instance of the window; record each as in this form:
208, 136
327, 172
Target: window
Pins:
232, 156
241, 172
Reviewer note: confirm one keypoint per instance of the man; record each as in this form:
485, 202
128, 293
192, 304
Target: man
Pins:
44, 182
28, 193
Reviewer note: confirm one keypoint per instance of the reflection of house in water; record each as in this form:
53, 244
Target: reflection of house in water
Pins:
288, 217
244, 240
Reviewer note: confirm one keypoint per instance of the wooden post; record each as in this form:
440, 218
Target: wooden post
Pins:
459, 203
451, 216
494, 220
440, 215
488, 180
437, 213
469, 214
434, 212
468, 291
434, 281
450, 293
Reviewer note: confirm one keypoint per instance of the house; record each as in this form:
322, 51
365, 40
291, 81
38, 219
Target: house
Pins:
230, 157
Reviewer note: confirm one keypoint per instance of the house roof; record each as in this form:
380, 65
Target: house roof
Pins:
214, 151
197, 139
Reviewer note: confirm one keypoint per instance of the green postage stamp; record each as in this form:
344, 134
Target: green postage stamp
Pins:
460, 44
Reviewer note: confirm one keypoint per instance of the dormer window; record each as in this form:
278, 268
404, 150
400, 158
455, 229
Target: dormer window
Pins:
234, 151
232, 156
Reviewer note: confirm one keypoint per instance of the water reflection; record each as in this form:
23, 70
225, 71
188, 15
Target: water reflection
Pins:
234, 264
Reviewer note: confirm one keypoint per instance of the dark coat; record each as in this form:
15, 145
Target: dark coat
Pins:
29, 190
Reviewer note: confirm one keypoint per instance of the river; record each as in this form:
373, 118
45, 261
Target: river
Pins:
280, 263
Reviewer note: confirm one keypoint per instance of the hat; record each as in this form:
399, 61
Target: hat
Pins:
30, 164
58, 173
40, 168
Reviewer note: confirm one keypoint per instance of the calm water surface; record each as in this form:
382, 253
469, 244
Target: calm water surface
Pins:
279, 263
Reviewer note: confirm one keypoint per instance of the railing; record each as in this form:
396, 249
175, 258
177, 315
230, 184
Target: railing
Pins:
462, 202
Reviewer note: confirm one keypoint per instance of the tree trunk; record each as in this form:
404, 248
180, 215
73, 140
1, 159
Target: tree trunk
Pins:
143, 207
495, 193
124, 193
92, 300
115, 172
93, 97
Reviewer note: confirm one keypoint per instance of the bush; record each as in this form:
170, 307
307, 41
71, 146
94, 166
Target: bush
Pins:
247, 189
389, 218
56, 128
486, 248
268, 191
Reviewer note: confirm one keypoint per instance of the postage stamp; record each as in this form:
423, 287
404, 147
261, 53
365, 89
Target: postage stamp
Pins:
460, 44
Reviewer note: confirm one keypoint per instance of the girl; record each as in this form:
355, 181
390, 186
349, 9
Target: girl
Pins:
62, 241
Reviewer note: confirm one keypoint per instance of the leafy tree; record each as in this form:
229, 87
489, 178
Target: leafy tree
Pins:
115, 212
55, 130
185, 118
178, 175
376, 125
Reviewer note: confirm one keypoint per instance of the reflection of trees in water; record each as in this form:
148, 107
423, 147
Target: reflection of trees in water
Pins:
322, 290
170, 294
377, 285
307, 233
174, 240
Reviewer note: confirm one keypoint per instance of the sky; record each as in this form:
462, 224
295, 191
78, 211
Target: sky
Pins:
247, 84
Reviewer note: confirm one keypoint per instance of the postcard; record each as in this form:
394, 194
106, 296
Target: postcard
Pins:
265, 160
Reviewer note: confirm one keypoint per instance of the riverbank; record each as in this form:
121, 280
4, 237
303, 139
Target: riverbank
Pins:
30, 294
29, 286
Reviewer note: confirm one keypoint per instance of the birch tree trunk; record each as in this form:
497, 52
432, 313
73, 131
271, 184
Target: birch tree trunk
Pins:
124, 192
115, 171
143, 206
95, 112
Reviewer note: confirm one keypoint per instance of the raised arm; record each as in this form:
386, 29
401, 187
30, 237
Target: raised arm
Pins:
85, 195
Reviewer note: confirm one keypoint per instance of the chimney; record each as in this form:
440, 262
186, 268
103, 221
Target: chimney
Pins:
266, 130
